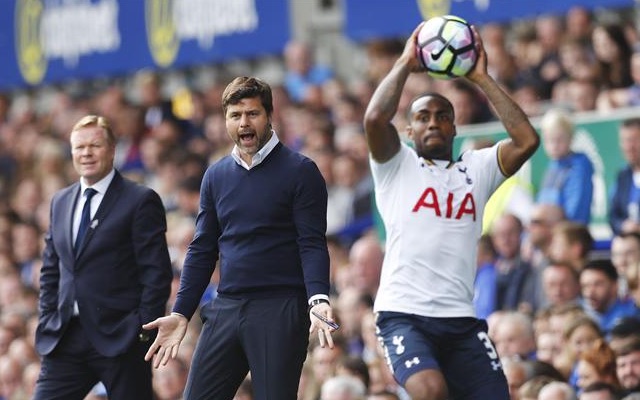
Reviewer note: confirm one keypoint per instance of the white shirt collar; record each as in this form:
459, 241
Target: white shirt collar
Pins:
101, 186
259, 156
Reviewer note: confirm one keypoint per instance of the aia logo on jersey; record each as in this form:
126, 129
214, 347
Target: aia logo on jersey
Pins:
429, 200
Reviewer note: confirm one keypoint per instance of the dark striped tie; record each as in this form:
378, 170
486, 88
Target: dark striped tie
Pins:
85, 220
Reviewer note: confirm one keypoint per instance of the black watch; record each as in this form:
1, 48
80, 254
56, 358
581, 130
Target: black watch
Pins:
316, 302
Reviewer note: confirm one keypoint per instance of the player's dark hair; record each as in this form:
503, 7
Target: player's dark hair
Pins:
436, 95
244, 87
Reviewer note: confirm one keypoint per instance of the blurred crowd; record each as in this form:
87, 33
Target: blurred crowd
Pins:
563, 314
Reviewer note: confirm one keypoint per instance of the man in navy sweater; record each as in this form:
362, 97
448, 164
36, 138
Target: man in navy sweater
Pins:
263, 214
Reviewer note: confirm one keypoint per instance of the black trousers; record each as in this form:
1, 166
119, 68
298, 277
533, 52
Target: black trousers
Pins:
268, 337
75, 367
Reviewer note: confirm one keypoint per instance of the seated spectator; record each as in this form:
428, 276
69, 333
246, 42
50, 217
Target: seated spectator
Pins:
516, 373
530, 390
547, 347
560, 284
516, 281
623, 97
597, 364
599, 283
625, 331
628, 366
625, 256
538, 240
599, 391
342, 387
624, 212
513, 336
613, 55
485, 284
567, 180
578, 336
571, 243
557, 390
356, 367
303, 74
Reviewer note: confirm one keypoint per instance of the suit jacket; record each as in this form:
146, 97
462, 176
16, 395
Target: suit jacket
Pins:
120, 276
619, 209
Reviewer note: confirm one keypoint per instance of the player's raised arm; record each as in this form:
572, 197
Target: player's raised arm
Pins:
382, 136
524, 139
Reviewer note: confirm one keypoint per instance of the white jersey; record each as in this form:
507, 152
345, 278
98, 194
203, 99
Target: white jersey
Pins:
432, 214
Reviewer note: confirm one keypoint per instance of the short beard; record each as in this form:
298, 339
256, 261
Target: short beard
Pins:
439, 152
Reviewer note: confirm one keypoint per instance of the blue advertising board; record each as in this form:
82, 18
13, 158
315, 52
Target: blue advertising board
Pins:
48, 41
369, 19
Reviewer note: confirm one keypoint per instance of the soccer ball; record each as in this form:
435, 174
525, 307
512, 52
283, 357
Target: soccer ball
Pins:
446, 47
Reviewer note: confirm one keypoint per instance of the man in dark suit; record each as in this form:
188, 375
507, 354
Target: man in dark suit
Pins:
106, 271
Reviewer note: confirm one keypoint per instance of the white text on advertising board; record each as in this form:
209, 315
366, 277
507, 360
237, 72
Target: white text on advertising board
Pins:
71, 30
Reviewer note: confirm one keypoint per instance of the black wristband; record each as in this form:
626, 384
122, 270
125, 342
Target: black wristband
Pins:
316, 302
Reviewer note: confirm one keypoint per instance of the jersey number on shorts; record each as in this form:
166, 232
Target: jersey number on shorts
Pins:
491, 351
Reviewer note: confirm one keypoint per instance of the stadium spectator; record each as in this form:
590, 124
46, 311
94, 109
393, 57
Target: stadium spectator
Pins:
557, 390
624, 212
625, 256
303, 75
365, 261
579, 335
628, 366
599, 283
343, 387
485, 299
597, 363
543, 219
560, 284
516, 280
514, 336
567, 180
613, 54
571, 243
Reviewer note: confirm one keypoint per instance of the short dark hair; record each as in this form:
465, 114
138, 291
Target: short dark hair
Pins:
633, 122
626, 327
436, 95
600, 386
628, 348
244, 87
603, 265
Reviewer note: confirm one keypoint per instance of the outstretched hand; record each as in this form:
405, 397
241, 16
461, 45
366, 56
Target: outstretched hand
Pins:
317, 325
171, 331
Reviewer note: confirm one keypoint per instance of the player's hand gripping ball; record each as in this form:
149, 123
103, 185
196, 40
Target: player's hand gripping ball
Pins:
446, 47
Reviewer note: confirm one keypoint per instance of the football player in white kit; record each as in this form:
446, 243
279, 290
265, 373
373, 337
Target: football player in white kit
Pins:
432, 208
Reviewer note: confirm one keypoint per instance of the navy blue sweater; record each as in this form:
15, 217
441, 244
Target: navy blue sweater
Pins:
266, 224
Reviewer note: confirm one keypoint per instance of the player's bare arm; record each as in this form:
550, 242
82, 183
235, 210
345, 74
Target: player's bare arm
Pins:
524, 139
382, 136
